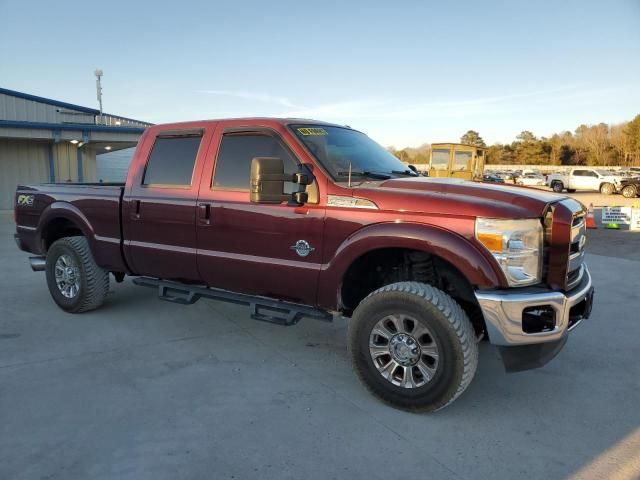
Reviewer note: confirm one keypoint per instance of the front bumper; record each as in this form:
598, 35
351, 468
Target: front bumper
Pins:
503, 312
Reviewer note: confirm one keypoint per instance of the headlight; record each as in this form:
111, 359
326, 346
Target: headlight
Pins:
516, 245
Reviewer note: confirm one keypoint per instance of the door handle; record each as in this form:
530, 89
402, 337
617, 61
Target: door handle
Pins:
204, 213
136, 209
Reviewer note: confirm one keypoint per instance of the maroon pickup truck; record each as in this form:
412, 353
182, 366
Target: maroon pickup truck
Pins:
298, 218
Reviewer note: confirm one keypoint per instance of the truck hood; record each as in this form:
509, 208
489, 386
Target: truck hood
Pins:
458, 197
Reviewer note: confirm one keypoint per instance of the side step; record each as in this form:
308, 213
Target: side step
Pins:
262, 308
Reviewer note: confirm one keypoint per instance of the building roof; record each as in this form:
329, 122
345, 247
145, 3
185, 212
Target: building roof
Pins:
82, 113
30, 117
49, 101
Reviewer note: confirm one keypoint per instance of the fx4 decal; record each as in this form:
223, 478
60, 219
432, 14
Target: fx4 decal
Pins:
25, 200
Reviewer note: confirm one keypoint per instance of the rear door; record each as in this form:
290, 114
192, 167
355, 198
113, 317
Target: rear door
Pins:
260, 249
160, 206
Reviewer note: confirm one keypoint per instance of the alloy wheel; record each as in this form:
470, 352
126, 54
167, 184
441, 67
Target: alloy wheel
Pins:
404, 351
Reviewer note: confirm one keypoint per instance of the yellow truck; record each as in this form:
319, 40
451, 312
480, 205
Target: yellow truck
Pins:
457, 160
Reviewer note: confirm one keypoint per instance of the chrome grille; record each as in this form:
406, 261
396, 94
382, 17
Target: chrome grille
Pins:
576, 250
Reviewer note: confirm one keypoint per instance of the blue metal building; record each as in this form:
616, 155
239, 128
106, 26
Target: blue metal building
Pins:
45, 140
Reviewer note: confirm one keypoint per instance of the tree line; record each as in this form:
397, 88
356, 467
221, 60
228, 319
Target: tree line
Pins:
594, 145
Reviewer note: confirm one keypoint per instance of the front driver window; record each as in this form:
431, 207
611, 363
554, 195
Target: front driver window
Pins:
233, 165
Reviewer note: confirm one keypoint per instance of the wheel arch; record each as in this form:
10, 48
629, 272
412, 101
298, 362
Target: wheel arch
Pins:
62, 219
466, 259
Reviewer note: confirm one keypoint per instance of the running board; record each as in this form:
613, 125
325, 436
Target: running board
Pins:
262, 308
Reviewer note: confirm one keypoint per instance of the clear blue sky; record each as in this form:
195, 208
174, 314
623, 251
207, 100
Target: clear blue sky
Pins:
406, 72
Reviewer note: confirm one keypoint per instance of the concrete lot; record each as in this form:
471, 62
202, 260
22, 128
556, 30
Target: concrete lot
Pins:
143, 389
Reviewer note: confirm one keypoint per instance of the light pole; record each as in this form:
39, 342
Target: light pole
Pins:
98, 74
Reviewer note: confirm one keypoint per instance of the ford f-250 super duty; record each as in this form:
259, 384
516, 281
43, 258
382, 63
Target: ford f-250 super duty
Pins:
300, 218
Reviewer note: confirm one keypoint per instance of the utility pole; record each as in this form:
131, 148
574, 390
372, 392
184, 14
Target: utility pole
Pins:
98, 74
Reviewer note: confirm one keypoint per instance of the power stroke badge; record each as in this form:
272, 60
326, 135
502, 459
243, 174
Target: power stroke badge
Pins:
302, 248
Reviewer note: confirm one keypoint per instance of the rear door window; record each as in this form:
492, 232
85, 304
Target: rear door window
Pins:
171, 161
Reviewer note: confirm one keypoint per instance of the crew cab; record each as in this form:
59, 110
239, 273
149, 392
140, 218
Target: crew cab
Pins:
298, 218
594, 179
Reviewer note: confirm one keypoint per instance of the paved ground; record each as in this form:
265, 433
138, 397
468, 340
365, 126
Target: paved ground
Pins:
142, 389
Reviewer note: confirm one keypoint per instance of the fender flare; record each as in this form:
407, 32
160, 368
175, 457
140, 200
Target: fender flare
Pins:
69, 212
472, 260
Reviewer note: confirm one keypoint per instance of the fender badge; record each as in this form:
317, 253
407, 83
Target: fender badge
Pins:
25, 200
302, 248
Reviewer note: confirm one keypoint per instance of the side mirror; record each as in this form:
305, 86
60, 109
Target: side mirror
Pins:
268, 179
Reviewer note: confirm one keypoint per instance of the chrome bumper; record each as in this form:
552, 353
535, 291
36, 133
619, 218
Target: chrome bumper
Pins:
503, 310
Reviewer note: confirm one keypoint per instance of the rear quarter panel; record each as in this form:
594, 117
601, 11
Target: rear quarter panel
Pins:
94, 209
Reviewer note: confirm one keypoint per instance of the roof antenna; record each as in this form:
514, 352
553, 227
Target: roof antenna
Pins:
349, 182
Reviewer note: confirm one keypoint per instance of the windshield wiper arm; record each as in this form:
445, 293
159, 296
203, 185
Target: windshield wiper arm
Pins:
374, 175
409, 172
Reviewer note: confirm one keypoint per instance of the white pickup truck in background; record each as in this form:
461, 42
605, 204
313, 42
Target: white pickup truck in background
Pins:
603, 181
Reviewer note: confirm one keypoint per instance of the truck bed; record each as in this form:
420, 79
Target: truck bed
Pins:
94, 207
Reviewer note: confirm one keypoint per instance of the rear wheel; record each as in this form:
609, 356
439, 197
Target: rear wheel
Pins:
75, 282
629, 191
413, 346
607, 188
557, 187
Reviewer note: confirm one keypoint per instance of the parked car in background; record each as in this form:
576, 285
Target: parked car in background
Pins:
531, 180
629, 187
492, 178
592, 179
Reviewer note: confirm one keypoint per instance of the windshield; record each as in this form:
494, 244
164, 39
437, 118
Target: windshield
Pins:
338, 148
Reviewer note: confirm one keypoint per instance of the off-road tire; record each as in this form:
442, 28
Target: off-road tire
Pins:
451, 330
557, 187
94, 281
607, 188
630, 191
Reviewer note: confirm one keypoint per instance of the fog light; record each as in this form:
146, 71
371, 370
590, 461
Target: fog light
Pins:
538, 319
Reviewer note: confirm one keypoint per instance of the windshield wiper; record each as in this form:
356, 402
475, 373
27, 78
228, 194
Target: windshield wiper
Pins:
374, 175
409, 172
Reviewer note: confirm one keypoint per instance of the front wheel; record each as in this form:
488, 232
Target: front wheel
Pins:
629, 191
607, 188
75, 282
413, 346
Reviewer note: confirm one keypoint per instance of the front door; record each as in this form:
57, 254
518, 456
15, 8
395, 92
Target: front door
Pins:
581, 180
260, 249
